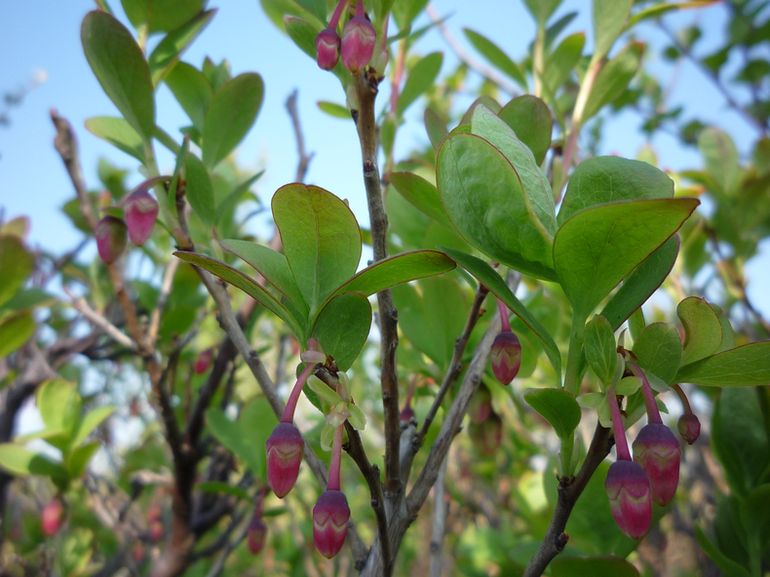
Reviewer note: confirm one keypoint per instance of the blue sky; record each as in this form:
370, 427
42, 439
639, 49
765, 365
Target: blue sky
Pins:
44, 35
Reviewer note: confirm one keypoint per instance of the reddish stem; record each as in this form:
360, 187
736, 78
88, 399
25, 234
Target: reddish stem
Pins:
334, 466
336, 16
504, 322
360, 9
653, 414
621, 444
683, 398
291, 404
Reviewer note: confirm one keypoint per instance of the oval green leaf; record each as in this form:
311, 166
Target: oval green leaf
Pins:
558, 407
745, 366
118, 132
659, 350
16, 263
702, 329
531, 120
343, 326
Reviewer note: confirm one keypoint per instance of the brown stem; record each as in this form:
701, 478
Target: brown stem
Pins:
388, 316
569, 491
303, 158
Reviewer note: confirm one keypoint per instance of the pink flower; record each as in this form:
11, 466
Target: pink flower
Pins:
52, 517
110, 236
330, 522
628, 489
358, 39
285, 449
656, 449
506, 356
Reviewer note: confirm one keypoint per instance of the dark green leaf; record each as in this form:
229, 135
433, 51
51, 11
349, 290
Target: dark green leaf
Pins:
342, 327
118, 63
494, 54
199, 190
702, 329
230, 115
558, 407
531, 120
721, 560
193, 92
600, 348
604, 179
419, 79
232, 436
421, 193
594, 566
161, 15
484, 198
489, 278
744, 366
641, 283
542, 10
659, 350
562, 61
599, 246
168, 51
321, 239
119, 133
16, 263
78, 458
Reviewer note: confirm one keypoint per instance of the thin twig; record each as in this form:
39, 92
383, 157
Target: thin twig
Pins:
440, 510
303, 158
99, 320
165, 290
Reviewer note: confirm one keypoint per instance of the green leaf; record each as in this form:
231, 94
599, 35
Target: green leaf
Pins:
603, 179
659, 350
641, 283
343, 326
562, 61
702, 329
223, 488
531, 120
273, 266
333, 109
168, 51
77, 460
609, 20
119, 133
744, 366
161, 15
247, 285
27, 298
397, 270
721, 560
19, 460
15, 330
93, 419
558, 407
657, 10
435, 126
485, 199
232, 111
594, 566
599, 246
60, 404
119, 65
233, 436
420, 193
191, 89
600, 348
302, 32
321, 239
199, 190
494, 54
16, 263
490, 279
420, 78
614, 78
721, 158
542, 10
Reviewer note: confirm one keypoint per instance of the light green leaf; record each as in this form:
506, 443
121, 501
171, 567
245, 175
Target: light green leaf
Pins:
558, 407
419, 79
93, 419
603, 179
659, 350
16, 263
702, 329
233, 437
324, 392
397, 270
562, 61
641, 283
343, 326
15, 330
531, 120
119, 133
168, 51
119, 65
321, 239
161, 15
273, 266
60, 404
600, 348
490, 279
495, 55
628, 386
333, 109
302, 32
420, 193
598, 247
485, 200
609, 20
191, 89
721, 158
542, 10
247, 285
614, 78
199, 190
231, 113
19, 460
78, 458
744, 366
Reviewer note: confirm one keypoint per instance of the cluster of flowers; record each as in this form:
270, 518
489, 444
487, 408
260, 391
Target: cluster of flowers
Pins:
140, 211
653, 473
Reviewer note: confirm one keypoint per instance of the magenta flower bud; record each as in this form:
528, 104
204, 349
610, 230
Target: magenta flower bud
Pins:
407, 414
481, 405
358, 40
628, 489
141, 212
52, 517
110, 238
203, 361
330, 522
506, 356
257, 535
285, 448
656, 449
689, 427
327, 45
487, 435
